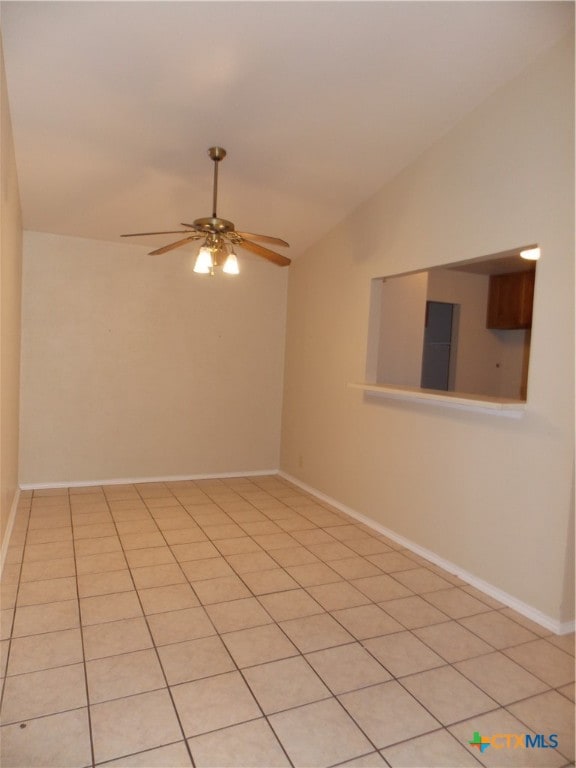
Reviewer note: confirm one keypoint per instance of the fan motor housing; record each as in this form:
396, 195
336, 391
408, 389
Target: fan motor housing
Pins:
213, 224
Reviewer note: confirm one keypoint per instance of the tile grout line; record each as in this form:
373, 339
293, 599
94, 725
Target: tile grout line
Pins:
13, 621
81, 628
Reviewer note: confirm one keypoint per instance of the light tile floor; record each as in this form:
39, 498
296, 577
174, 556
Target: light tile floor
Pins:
242, 622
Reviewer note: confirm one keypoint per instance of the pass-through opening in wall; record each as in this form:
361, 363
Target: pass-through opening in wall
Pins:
435, 329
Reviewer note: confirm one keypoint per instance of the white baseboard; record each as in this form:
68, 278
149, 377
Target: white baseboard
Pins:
134, 480
8, 531
558, 627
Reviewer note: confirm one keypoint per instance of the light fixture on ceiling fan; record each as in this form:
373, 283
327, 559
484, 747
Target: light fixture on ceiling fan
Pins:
220, 236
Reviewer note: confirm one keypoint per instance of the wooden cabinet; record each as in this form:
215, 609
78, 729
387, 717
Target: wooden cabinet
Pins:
510, 298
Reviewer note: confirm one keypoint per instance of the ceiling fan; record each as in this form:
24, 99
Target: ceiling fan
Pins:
220, 236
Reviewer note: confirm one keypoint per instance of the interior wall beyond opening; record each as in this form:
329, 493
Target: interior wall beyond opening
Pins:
480, 359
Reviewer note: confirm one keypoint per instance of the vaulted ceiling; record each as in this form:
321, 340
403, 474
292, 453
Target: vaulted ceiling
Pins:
114, 104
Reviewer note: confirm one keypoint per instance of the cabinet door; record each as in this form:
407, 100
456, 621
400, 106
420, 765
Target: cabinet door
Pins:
510, 300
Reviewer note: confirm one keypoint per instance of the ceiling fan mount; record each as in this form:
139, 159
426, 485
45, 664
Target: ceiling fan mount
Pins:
217, 153
220, 234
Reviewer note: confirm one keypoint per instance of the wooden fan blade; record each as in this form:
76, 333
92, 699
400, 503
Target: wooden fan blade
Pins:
169, 232
264, 238
171, 246
192, 226
259, 250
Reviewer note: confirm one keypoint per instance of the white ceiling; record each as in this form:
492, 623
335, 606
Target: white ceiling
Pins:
318, 104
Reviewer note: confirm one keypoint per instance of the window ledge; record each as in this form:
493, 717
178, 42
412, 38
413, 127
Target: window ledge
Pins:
496, 405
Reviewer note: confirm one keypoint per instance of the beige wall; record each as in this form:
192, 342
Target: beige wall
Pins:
10, 290
488, 493
135, 367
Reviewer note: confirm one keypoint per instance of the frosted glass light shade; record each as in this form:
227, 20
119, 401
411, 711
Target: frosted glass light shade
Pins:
204, 263
231, 265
